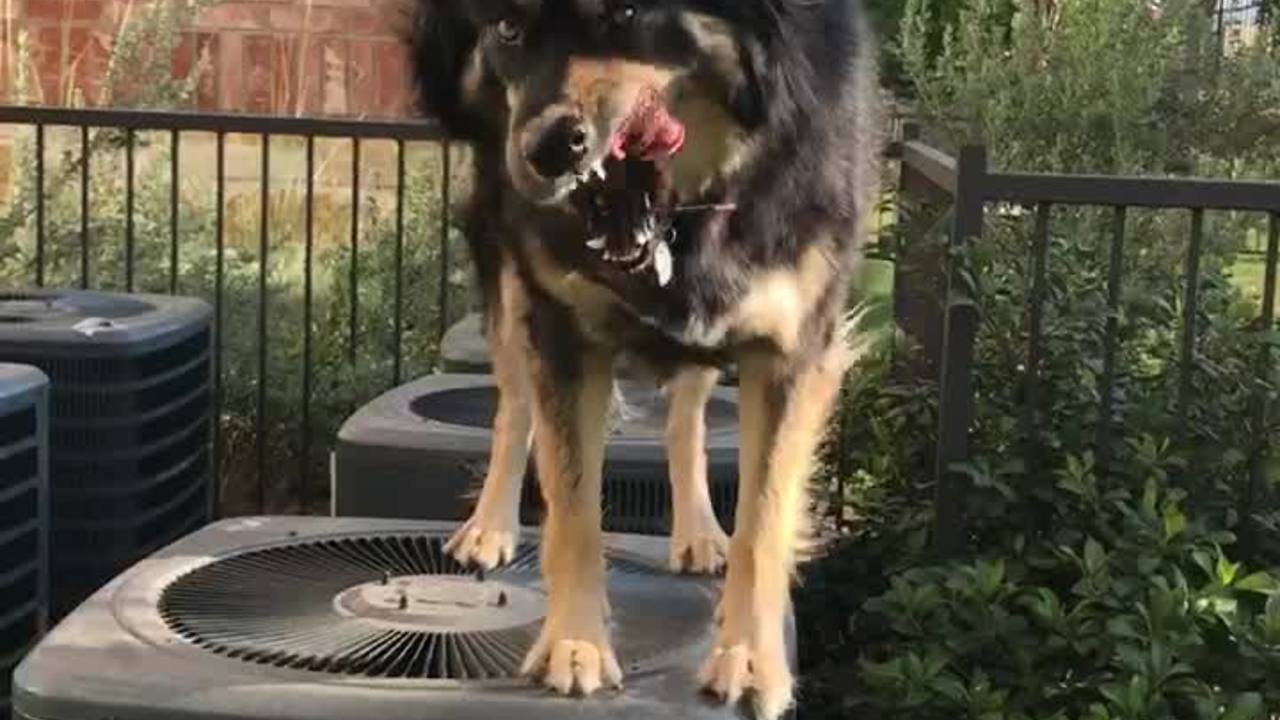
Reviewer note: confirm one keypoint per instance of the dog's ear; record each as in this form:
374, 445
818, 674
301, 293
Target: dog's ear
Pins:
448, 71
780, 46
748, 96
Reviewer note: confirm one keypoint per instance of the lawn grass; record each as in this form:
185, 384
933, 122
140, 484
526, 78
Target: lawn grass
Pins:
1249, 273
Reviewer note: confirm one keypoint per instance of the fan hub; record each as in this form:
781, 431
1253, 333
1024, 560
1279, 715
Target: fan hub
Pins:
443, 603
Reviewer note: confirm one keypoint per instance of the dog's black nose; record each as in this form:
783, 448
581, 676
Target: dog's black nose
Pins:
558, 148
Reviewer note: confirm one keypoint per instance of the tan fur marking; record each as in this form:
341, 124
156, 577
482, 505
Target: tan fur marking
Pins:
489, 536
715, 38
698, 544
609, 88
573, 650
589, 300
713, 145
778, 301
473, 76
776, 459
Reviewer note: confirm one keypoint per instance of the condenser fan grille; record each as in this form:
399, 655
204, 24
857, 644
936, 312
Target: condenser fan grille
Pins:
400, 607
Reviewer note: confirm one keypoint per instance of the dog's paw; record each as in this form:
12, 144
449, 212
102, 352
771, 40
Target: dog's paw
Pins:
735, 669
485, 542
698, 546
567, 661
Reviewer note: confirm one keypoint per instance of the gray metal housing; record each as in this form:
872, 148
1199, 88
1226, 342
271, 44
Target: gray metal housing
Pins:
399, 457
130, 418
24, 515
116, 657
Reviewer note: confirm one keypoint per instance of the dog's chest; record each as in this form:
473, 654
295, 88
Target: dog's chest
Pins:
695, 313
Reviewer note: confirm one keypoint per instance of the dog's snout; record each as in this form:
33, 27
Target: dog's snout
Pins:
557, 146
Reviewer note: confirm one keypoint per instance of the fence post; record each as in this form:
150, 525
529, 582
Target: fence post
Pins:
917, 268
960, 325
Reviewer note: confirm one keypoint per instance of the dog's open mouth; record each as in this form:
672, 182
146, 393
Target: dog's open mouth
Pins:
627, 198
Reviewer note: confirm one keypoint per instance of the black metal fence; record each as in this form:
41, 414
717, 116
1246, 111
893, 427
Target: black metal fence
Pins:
967, 182
219, 126
948, 330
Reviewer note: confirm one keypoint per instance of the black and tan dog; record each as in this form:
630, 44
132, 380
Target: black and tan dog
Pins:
679, 182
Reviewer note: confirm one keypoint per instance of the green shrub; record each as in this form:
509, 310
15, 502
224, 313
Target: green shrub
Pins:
1100, 582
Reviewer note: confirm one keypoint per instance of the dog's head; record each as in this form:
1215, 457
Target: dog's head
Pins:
613, 106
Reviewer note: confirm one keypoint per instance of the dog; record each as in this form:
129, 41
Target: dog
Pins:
678, 183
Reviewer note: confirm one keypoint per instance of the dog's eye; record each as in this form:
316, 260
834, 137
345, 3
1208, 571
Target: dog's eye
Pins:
509, 31
623, 14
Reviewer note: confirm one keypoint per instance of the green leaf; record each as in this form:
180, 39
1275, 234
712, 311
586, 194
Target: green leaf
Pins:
1095, 558
1226, 570
1246, 706
950, 688
1174, 522
1259, 582
1150, 496
1204, 561
990, 576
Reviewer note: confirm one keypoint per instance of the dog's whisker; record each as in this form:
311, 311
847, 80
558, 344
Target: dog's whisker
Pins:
711, 207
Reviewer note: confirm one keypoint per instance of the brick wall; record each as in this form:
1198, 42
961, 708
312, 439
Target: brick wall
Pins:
313, 57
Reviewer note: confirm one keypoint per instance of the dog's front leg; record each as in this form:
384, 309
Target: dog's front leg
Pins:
784, 407
488, 538
698, 544
572, 383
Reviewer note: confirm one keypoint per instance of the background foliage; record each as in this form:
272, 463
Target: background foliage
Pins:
1099, 587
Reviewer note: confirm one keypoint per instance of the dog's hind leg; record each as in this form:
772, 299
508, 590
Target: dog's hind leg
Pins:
488, 538
784, 408
572, 382
698, 544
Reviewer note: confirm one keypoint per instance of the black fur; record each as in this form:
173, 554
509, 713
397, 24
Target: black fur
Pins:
760, 250
805, 93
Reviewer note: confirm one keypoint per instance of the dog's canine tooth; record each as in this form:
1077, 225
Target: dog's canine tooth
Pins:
662, 263
596, 243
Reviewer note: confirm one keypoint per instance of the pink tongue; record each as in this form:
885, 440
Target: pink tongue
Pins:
655, 135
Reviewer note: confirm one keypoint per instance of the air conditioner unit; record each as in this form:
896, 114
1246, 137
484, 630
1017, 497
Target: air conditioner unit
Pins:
315, 618
417, 451
465, 349
130, 413
24, 515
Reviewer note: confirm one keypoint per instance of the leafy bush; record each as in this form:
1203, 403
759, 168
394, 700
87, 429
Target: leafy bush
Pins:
1098, 86
1105, 580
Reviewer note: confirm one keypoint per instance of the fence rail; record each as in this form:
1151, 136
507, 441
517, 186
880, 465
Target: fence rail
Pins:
132, 122
972, 185
967, 180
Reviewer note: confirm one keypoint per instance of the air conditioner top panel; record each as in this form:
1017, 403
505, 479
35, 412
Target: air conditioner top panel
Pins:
119, 654
74, 322
464, 344
19, 386
402, 416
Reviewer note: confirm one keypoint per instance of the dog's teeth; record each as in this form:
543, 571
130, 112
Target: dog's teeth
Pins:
648, 202
596, 243
598, 169
662, 264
